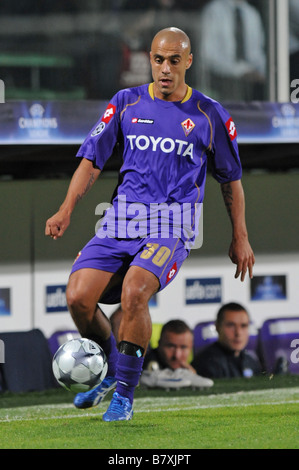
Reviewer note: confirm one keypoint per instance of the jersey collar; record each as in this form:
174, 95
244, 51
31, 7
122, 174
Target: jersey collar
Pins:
186, 98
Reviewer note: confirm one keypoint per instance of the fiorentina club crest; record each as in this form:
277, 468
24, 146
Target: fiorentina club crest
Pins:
188, 125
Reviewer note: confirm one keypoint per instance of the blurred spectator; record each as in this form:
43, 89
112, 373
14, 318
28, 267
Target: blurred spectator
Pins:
174, 348
233, 60
168, 365
227, 357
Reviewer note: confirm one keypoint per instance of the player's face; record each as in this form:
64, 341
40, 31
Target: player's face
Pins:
169, 62
234, 330
176, 348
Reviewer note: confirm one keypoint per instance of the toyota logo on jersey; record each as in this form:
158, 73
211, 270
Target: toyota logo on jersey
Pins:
231, 127
110, 111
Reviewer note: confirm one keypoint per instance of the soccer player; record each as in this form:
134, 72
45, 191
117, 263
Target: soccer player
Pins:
167, 132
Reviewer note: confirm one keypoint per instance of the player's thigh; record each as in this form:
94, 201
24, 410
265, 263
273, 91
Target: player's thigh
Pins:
138, 287
97, 272
86, 286
163, 258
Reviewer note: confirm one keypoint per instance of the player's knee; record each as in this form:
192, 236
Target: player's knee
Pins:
137, 289
133, 299
77, 301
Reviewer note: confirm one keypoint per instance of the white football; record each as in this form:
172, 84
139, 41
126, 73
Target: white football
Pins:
79, 365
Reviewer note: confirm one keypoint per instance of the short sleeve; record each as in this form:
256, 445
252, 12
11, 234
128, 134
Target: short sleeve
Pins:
225, 160
100, 142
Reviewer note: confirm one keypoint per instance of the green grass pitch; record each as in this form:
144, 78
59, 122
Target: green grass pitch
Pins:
258, 413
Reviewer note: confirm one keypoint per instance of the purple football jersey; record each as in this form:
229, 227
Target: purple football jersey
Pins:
165, 147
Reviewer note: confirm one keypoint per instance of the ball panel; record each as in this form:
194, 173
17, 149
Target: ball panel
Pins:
80, 374
104, 372
55, 368
66, 362
90, 346
79, 365
96, 364
73, 345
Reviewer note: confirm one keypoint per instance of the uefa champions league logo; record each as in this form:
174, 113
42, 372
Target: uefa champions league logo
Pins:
36, 110
38, 125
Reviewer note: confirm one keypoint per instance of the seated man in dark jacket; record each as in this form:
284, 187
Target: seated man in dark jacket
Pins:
168, 365
227, 357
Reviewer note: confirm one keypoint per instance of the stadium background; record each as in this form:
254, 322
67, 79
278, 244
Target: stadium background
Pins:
74, 57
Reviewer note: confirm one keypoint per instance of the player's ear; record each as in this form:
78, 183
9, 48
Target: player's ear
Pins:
189, 61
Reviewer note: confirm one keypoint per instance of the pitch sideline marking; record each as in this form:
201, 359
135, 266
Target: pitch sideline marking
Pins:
156, 400
86, 415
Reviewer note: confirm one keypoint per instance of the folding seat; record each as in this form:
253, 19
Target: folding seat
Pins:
279, 344
204, 334
60, 337
27, 364
252, 346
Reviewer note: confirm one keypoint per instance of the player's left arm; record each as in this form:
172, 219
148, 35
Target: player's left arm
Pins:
240, 251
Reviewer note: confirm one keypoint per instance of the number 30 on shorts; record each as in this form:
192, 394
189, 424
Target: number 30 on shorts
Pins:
160, 253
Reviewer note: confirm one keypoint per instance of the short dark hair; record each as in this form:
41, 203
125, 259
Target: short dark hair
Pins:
233, 306
176, 326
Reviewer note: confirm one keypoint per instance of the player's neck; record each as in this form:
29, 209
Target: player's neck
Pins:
177, 95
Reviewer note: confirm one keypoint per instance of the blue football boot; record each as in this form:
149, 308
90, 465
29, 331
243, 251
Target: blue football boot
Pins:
96, 395
120, 409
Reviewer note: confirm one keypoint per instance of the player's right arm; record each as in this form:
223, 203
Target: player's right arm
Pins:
82, 180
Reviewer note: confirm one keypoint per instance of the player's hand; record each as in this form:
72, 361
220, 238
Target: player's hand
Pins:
57, 225
187, 365
242, 255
